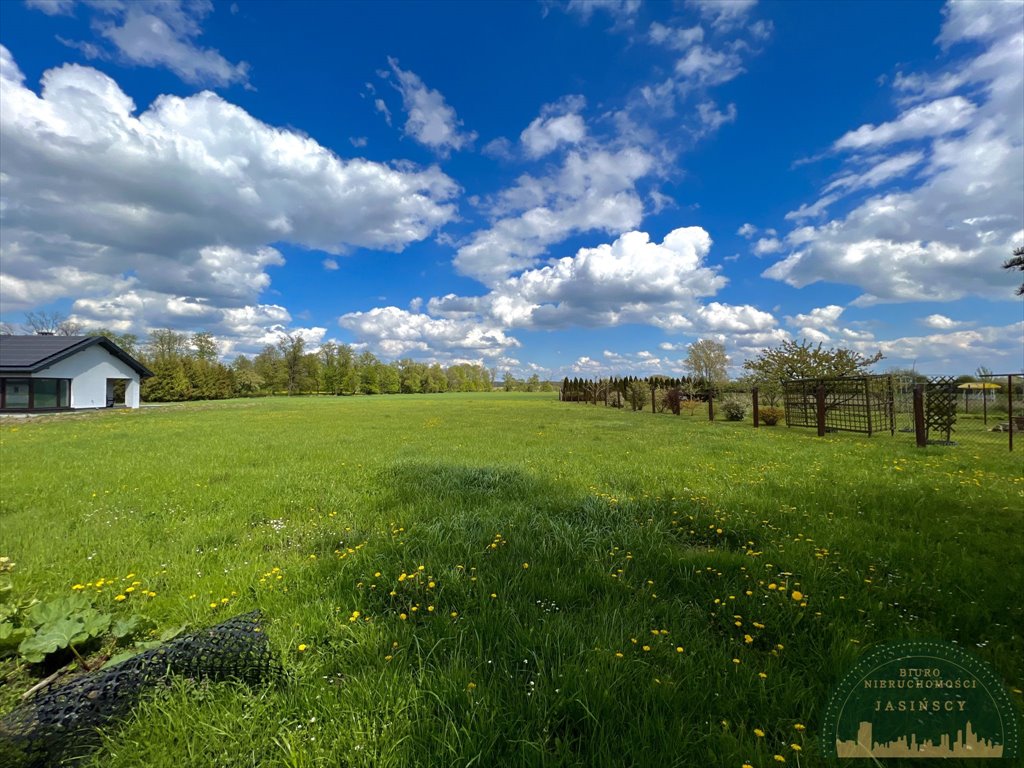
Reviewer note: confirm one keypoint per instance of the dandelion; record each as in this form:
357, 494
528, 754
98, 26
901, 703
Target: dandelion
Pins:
471, 686
799, 727
759, 733
763, 675
302, 647
735, 661
778, 758
402, 617
525, 566
119, 598
797, 595
679, 649
389, 657
647, 648
454, 614
78, 586
493, 596
795, 747
748, 639
619, 654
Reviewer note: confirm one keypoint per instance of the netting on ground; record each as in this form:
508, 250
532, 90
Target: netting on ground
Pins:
59, 723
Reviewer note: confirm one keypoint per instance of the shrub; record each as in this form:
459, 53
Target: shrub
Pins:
671, 399
771, 416
734, 410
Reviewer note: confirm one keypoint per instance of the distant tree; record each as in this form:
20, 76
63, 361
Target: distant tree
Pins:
7, 329
129, 342
803, 360
1017, 262
510, 383
369, 377
533, 383
269, 367
291, 347
389, 378
246, 380
706, 360
52, 324
205, 346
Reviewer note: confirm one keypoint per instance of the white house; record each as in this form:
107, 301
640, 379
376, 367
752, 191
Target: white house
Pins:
60, 373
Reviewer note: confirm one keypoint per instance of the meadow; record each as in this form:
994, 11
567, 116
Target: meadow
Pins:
500, 579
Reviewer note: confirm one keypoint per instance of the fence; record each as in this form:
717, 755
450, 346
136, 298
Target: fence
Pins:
935, 411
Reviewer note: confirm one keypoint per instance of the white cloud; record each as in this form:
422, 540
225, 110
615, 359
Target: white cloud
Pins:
53, 7
394, 332
767, 245
723, 14
431, 121
330, 264
155, 33
676, 38
621, 11
748, 230
557, 124
941, 322
178, 202
942, 234
711, 118
932, 119
594, 189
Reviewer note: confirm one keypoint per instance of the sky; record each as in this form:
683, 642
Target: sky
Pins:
561, 188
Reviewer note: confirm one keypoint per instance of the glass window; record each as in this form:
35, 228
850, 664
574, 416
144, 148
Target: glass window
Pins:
45, 393
64, 395
16, 393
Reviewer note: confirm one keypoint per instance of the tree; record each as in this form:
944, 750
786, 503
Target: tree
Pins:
205, 346
129, 342
291, 347
1017, 262
706, 361
51, 324
792, 360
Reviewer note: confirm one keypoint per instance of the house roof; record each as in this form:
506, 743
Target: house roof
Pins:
28, 354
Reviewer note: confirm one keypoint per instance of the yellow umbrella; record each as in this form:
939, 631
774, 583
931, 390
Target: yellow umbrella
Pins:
983, 385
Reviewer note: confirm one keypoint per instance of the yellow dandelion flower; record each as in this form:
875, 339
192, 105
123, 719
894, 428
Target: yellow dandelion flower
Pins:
79, 586
454, 614
679, 649
795, 747
619, 654
735, 661
797, 595
800, 727
763, 675
759, 733
389, 657
302, 647
471, 686
778, 758
119, 598
748, 639
525, 566
402, 616
647, 648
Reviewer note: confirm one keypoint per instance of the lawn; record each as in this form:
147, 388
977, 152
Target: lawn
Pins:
506, 580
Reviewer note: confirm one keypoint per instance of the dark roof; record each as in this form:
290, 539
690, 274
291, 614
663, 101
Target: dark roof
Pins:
28, 354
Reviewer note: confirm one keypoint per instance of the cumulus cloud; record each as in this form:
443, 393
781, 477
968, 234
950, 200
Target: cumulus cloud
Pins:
557, 124
431, 121
180, 200
593, 189
941, 322
395, 332
944, 233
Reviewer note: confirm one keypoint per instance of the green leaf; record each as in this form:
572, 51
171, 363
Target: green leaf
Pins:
53, 610
95, 623
124, 628
11, 637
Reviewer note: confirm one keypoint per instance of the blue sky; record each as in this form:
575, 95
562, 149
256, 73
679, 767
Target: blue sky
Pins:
567, 188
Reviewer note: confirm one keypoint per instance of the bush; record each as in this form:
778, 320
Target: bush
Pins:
734, 411
771, 416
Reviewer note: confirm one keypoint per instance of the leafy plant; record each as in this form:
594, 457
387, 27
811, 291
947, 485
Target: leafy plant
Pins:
771, 416
734, 410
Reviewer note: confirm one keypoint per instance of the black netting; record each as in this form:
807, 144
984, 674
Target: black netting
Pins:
58, 724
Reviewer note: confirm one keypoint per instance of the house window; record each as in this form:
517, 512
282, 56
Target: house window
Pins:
35, 394
16, 393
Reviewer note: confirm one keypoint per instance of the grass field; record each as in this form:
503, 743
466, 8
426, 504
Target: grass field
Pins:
537, 583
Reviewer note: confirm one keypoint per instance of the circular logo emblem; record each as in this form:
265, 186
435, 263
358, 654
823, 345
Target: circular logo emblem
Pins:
920, 699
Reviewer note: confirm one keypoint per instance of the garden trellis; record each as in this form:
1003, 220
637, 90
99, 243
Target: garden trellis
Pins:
864, 404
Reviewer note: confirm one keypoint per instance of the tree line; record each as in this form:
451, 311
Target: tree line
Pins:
187, 366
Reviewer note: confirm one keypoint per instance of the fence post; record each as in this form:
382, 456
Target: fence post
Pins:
757, 415
919, 429
819, 396
711, 407
654, 407
1009, 405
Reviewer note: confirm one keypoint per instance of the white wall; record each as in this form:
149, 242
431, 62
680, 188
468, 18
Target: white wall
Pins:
89, 371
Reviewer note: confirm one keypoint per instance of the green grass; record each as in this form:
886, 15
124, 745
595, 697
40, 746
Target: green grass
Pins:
639, 531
